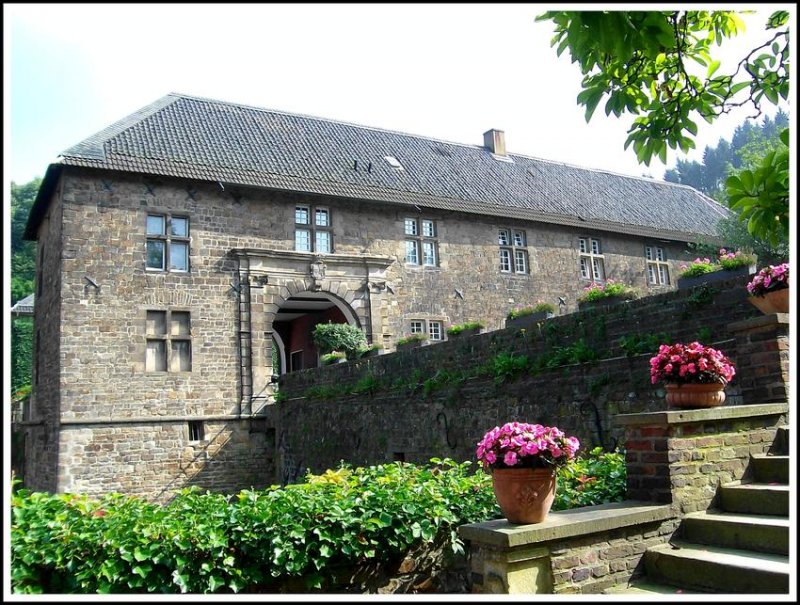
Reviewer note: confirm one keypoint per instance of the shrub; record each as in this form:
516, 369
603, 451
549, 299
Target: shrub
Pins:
595, 477
207, 543
470, 325
331, 337
212, 543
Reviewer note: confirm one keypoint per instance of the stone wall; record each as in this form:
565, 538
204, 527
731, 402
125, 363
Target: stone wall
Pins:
417, 404
38, 431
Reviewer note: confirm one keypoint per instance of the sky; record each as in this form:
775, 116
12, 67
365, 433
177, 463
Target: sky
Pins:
444, 71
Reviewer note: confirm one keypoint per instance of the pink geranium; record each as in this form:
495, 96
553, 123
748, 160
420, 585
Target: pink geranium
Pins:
523, 445
692, 363
774, 277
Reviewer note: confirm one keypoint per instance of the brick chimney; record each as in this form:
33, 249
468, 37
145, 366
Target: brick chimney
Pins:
495, 141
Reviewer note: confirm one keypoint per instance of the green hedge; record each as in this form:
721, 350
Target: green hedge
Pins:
207, 543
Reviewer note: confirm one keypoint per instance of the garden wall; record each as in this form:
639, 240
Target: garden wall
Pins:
439, 400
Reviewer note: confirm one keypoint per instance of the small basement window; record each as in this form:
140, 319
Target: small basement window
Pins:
196, 432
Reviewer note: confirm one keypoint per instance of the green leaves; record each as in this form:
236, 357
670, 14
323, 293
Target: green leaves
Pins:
208, 543
641, 63
761, 196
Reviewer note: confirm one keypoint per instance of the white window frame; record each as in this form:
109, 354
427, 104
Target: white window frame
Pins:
421, 235
513, 250
169, 241
657, 265
311, 232
592, 261
433, 328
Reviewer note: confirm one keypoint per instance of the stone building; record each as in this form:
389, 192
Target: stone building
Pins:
186, 252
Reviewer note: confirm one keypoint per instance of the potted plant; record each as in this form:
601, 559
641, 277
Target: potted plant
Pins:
609, 293
330, 337
333, 357
694, 375
522, 459
769, 289
410, 341
727, 265
370, 351
469, 328
524, 317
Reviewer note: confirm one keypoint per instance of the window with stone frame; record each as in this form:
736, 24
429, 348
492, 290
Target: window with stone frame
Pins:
592, 263
169, 341
513, 250
167, 243
657, 265
434, 329
421, 240
313, 230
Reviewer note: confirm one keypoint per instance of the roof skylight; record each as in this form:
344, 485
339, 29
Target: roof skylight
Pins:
393, 162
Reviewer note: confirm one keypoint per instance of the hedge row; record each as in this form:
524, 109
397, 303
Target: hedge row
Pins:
213, 543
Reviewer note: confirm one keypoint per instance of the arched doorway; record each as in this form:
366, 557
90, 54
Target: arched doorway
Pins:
294, 323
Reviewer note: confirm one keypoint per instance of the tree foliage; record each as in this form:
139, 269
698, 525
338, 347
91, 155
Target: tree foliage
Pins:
345, 338
23, 254
659, 67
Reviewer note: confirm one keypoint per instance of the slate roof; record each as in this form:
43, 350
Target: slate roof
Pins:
23, 306
210, 140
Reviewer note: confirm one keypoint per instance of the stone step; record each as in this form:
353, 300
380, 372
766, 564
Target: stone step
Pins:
770, 468
755, 498
780, 445
717, 569
760, 533
644, 586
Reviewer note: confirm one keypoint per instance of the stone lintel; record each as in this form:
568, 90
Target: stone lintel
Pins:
567, 523
671, 417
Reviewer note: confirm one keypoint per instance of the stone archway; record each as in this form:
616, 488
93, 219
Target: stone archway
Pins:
271, 282
294, 322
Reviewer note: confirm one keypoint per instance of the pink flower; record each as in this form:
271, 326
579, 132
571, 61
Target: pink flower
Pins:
510, 458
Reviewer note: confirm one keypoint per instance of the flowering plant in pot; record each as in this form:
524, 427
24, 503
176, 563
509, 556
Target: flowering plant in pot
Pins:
694, 375
522, 459
730, 261
769, 289
610, 289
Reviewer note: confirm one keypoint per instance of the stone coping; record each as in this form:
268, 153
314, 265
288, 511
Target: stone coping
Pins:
759, 322
679, 416
159, 419
567, 523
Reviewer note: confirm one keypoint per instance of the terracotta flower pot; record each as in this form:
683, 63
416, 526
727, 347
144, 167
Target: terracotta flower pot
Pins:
774, 301
525, 495
689, 395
